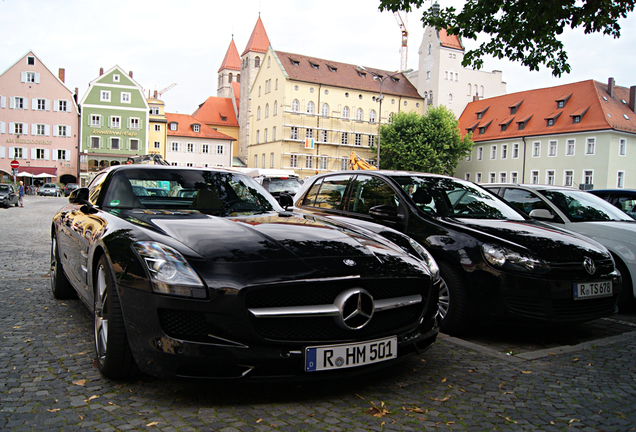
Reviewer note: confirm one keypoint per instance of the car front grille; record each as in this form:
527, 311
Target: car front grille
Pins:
576, 271
182, 324
562, 310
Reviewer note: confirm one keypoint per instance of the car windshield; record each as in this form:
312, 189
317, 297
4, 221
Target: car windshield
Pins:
212, 192
581, 206
49, 185
443, 196
4, 188
289, 185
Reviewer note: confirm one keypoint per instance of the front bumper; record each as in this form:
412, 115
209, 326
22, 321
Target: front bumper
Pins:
221, 343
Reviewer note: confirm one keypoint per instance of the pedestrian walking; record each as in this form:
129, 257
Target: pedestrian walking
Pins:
21, 195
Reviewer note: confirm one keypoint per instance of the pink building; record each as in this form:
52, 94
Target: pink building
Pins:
38, 124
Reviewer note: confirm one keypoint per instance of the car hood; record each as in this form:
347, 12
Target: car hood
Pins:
546, 242
267, 237
612, 234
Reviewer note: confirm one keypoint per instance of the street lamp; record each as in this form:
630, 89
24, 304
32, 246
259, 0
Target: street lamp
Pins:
381, 78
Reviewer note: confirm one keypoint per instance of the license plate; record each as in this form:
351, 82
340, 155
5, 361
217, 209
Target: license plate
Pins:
342, 356
593, 290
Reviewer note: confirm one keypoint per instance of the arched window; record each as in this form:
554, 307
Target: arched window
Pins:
269, 61
238, 78
230, 77
257, 61
372, 116
295, 105
481, 92
311, 108
359, 114
258, 113
475, 90
325, 110
276, 84
345, 112
275, 107
470, 87
220, 80
266, 110
430, 48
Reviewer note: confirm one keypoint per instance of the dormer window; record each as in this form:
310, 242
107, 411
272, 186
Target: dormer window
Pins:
173, 126
115, 77
196, 128
332, 68
577, 115
523, 122
223, 118
522, 125
576, 119
395, 80
504, 127
552, 118
314, 65
480, 114
560, 104
362, 74
514, 108
484, 128
294, 62
562, 101
550, 122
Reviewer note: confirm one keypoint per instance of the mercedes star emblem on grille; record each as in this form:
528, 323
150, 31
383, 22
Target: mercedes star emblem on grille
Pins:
589, 265
356, 308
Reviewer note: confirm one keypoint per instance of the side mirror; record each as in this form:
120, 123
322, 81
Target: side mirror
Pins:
541, 214
384, 212
79, 196
285, 200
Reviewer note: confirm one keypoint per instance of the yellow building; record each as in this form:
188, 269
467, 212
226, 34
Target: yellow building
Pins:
309, 114
157, 127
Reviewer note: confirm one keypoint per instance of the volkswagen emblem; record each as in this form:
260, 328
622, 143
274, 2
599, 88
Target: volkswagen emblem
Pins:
355, 307
349, 262
589, 265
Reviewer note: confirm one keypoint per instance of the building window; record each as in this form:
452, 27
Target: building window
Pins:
493, 152
30, 77
104, 96
40, 104
503, 178
325, 110
154, 110
323, 163
275, 107
622, 147
134, 123
588, 177
173, 126
115, 122
293, 132
576, 119
274, 133
493, 177
61, 130
174, 147
255, 161
61, 154
359, 114
295, 105
344, 164
293, 161
257, 62
258, 137
134, 144
515, 151
96, 120
114, 143
589, 147
40, 154
196, 128
311, 108
620, 180
344, 138
514, 176
309, 162
265, 136
258, 113
157, 145
549, 177
220, 149
309, 133
372, 116
323, 136
569, 148
345, 112
94, 142
371, 140
536, 149
552, 148
480, 153
478, 177
469, 157
535, 177
157, 128
467, 176
504, 151
125, 97
18, 128
18, 103
62, 105
271, 160
40, 129
266, 110
205, 148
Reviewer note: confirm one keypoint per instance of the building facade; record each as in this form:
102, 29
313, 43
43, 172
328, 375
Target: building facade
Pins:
309, 114
192, 143
38, 124
157, 126
580, 135
219, 113
114, 119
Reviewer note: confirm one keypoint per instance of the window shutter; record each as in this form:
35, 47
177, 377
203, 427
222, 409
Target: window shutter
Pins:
34, 129
33, 153
2, 128
54, 154
67, 155
22, 76
128, 120
2, 152
47, 130
26, 103
12, 102
56, 128
88, 119
25, 128
37, 78
47, 154
11, 153
109, 121
56, 104
34, 104
68, 131
3, 102
47, 104
11, 128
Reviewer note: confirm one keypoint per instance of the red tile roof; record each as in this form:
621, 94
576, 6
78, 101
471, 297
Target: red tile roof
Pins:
232, 60
214, 109
327, 72
588, 99
184, 128
259, 42
449, 41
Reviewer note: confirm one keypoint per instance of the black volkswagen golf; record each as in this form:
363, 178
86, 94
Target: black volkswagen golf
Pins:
494, 261
214, 279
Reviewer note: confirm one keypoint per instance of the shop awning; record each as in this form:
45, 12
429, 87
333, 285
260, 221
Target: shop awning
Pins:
38, 172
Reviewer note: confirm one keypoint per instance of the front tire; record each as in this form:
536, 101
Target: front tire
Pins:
114, 358
626, 301
453, 301
60, 285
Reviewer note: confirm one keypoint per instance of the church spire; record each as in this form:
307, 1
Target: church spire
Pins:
232, 60
259, 42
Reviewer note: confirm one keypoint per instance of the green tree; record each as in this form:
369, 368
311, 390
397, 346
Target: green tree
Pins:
425, 143
521, 30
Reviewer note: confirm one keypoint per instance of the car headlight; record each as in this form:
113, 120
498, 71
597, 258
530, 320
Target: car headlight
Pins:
169, 272
428, 258
499, 256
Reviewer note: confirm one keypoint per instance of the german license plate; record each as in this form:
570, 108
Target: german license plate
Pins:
593, 289
343, 356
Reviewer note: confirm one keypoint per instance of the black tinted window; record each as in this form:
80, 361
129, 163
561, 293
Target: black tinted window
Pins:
369, 192
524, 200
329, 193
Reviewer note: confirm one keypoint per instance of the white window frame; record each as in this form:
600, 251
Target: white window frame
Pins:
220, 149
536, 149
114, 122
110, 143
309, 162
196, 128
503, 177
478, 177
189, 147
157, 145
534, 176
584, 176
515, 150
94, 139
568, 174
96, 120
504, 151
550, 177
125, 97
590, 144
620, 179
514, 177
293, 159
134, 123
480, 153
130, 144
467, 176
174, 146
622, 147
493, 152
553, 145
205, 148
104, 95
492, 177
570, 143
157, 128
173, 126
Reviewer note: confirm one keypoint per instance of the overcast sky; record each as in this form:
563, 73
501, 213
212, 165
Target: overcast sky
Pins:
184, 42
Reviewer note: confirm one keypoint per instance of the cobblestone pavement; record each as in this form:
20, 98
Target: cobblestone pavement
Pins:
48, 380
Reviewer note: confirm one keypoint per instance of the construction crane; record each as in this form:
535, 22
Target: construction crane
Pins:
357, 163
404, 49
166, 89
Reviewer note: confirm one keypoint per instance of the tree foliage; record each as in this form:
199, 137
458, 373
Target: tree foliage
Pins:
425, 143
520, 30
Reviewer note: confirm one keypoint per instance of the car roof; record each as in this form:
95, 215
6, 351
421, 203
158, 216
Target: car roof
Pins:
527, 186
615, 191
165, 167
387, 173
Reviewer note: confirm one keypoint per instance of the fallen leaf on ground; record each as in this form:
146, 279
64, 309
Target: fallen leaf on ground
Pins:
441, 400
444, 380
53, 410
151, 424
376, 411
80, 382
526, 372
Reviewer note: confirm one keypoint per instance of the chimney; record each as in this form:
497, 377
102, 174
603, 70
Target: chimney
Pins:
130, 74
476, 97
75, 95
101, 71
632, 98
610, 87
61, 74
155, 94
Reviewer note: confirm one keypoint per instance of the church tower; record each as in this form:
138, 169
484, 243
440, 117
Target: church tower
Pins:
251, 60
229, 72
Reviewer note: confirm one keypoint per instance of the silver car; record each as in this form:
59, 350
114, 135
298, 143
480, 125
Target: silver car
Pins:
50, 189
585, 214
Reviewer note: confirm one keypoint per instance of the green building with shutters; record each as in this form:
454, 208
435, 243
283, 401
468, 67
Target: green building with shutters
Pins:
113, 125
